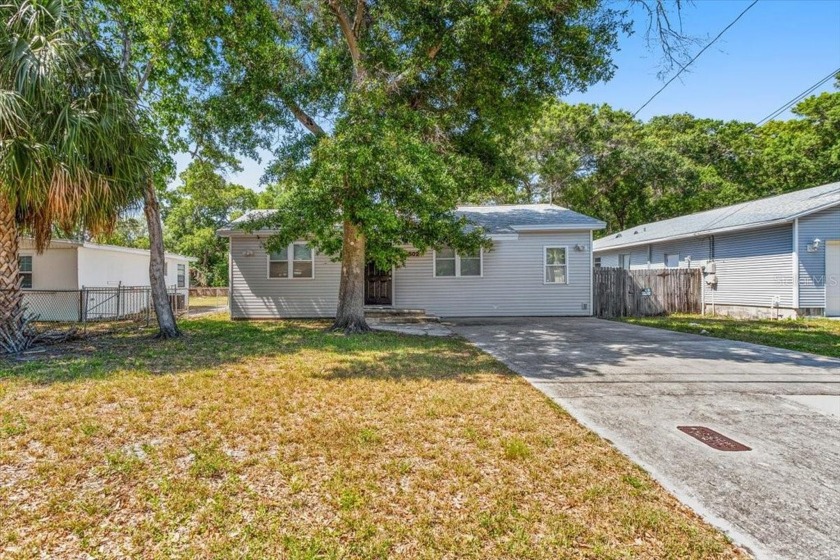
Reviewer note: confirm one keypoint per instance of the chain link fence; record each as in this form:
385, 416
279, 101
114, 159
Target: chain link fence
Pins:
99, 304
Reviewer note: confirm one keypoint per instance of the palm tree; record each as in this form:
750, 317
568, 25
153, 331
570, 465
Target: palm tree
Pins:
72, 152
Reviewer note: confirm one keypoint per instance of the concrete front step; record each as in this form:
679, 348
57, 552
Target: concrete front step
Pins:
397, 315
406, 319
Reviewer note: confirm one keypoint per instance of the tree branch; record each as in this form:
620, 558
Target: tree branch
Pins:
304, 119
359, 17
347, 29
141, 85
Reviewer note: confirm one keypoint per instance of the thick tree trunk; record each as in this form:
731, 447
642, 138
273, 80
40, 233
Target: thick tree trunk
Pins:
350, 316
157, 260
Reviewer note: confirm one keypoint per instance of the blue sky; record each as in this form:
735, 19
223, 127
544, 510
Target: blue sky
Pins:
777, 50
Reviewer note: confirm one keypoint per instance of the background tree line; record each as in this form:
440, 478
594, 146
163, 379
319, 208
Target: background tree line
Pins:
601, 161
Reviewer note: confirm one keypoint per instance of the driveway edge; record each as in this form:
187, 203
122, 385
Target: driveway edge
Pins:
737, 537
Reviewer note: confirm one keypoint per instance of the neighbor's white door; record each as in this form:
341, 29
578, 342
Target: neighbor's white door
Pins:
832, 278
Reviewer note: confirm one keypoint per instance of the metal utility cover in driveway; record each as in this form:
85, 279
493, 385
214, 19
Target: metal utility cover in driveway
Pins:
713, 439
633, 385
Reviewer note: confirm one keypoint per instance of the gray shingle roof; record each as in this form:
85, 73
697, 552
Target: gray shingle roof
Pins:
746, 215
525, 217
494, 219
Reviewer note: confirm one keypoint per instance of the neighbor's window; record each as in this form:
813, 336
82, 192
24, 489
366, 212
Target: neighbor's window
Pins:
450, 263
624, 261
182, 275
25, 266
672, 260
301, 265
596, 262
555, 265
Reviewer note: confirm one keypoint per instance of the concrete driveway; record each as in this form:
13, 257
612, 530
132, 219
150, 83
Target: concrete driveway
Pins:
634, 386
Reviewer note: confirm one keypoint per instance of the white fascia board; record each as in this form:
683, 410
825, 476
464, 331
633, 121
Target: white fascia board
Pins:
560, 227
133, 251
503, 236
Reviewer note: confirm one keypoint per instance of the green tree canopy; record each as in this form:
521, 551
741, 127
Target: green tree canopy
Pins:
601, 161
203, 203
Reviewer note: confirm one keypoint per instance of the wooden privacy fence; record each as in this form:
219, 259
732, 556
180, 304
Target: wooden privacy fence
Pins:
636, 293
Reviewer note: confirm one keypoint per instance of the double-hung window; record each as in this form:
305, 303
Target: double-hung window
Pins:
555, 264
672, 260
25, 267
624, 261
296, 261
182, 275
449, 263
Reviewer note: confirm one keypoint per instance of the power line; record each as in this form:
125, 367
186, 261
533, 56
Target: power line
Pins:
796, 99
696, 56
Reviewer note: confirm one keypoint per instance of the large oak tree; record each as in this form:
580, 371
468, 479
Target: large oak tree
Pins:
389, 112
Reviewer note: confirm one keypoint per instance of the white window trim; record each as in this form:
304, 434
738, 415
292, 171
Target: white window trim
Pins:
290, 263
665, 259
458, 265
545, 264
31, 272
177, 275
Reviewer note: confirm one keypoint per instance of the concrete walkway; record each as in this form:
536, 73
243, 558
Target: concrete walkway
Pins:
634, 385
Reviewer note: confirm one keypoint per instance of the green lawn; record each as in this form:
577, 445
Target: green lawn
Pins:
818, 336
278, 440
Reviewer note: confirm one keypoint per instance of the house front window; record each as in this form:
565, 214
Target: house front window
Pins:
182, 275
554, 262
449, 263
672, 260
301, 265
25, 267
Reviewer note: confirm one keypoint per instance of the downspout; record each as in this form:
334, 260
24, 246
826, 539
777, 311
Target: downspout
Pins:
591, 275
795, 259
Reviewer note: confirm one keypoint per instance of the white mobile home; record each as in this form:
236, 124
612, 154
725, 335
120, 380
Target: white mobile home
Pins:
68, 266
773, 257
540, 264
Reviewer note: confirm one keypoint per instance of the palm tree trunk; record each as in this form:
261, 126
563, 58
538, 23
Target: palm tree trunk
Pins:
13, 329
11, 297
350, 316
160, 298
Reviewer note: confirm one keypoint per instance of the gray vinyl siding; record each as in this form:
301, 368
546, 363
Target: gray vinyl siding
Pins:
512, 284
825, 226
256, 296
753, 267
653, 256
609, 259
697, 248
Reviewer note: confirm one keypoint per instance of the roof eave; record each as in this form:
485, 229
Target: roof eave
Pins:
744, 227
702, 233
558, 227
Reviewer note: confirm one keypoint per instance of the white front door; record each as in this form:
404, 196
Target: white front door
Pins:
832, 278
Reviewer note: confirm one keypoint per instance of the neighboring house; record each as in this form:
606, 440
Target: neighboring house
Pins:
72, 265
540, 264
772, 257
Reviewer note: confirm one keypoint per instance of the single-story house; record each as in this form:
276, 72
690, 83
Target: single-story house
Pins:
67, 266
540, 264
773, 257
